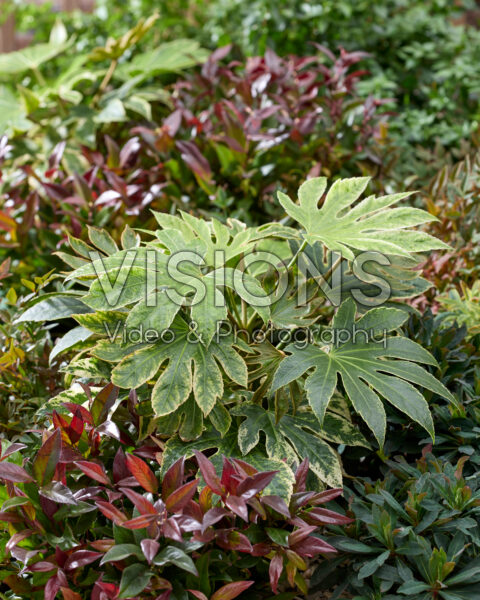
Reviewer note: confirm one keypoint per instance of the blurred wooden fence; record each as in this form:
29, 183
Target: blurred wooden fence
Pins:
10, 40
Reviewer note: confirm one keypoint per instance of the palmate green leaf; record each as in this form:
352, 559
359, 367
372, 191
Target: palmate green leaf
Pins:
192, 366
187, 421
369, 226
144, 275
13, 115
374, 280
287, 440
366, 369
167, 58
15, 63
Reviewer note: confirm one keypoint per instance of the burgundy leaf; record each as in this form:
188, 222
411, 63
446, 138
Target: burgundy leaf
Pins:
209, 474
142, 473
173, 478
14, 473
150, 549
274, 571
94, 471
182, 496
81, 558
231, 590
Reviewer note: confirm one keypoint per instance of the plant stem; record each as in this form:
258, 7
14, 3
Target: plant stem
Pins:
105, 81
39, 77
297, 254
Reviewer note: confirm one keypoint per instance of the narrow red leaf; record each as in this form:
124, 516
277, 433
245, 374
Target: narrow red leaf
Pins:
231, 590
111, 512
142, 473
94, 471
14, 473
209, 474
173, 478
150, 549
141, 503
81, 558
47, 458
182, 496
274, 571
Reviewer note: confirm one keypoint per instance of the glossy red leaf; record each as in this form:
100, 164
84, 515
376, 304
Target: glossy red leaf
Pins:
238, 506
253, 485
81, 558
209, 474
323, 516
277, 503
75, 429
47, 458
173, 478
312, 546
120, 470
103, 402
301, 476
94, 471
142, 473
231, 590
274, 571
139, 522
327, 496
141, 503
14, 473
182, 496
150, 549
111, 512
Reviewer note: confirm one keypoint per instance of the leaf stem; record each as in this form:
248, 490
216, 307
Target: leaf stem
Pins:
105, 81
297, 254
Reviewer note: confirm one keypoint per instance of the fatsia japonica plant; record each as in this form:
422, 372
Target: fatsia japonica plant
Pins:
267, 343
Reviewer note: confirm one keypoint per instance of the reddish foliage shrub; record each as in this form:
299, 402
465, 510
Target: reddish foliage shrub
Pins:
91, 517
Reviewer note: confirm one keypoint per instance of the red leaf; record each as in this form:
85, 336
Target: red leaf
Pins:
301, 476
17, 538
181, 497
139, 522
173, 478
94, 471
14, 473
103, 402
47, 459
120, 470
142, 473
275, 570
111, 512
231, 590
323, 497
69, 594
81, 558
42, 566
323, 516
209, 474
253, 485
149, 549
312, 546
11, 450
75, 429
198, 594
277, 503
212, 516
143, 505
238, 506
73, 408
